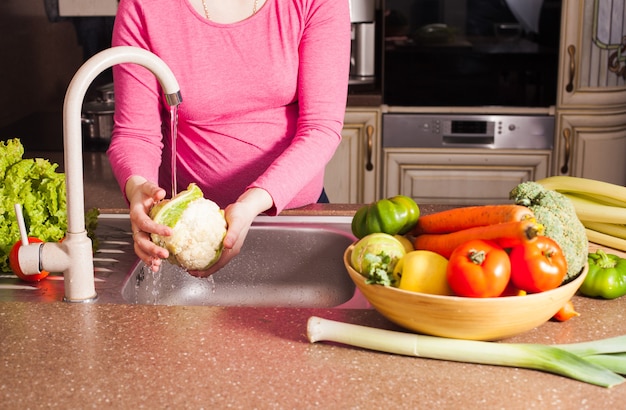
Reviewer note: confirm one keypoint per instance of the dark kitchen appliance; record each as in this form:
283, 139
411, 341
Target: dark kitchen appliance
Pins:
469, 53
363, 44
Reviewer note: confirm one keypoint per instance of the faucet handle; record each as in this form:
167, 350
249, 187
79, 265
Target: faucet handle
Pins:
20, 223
24, 260
30, 269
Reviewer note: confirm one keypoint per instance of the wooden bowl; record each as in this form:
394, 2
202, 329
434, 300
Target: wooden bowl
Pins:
461, 317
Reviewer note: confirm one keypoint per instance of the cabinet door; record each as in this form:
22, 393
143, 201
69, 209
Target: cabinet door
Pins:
353, 174
592, 68
461, 177
592, 145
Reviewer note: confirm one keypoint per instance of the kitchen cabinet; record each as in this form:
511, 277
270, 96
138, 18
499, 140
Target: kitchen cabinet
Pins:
461, 176
592, 68
592, 145
591, 101
353, 174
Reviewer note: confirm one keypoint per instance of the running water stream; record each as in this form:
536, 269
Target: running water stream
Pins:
174, 137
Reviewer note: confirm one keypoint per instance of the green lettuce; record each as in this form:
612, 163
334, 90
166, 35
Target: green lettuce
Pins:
35, 184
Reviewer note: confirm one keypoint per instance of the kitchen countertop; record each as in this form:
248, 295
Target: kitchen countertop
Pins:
132, 356
65, 355
364, 100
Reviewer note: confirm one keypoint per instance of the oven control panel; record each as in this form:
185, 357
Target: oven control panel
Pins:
468, 131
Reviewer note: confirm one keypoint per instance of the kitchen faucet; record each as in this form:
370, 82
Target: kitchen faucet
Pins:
74, 255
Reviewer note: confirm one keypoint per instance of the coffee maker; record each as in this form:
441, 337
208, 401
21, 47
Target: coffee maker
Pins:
362, 55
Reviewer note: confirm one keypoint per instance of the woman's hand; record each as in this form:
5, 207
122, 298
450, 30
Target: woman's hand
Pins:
142, 195
239, 217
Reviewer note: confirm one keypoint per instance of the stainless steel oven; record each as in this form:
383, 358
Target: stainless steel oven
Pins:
464, 159
469, 89
528, 132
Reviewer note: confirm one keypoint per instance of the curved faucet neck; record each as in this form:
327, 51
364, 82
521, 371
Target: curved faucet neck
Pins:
72, 109
79, 275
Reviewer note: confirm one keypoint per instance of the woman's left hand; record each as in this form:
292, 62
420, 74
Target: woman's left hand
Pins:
239, 217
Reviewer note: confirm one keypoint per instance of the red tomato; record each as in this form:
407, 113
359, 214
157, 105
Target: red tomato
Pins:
512, 290
13, 262
479, 269
538, 265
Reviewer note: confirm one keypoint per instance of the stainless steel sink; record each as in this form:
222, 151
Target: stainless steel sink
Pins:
287, 261
295, 262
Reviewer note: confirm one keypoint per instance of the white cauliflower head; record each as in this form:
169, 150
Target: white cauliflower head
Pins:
198, 226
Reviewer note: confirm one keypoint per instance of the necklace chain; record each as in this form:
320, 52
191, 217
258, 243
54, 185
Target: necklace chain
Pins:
208, 16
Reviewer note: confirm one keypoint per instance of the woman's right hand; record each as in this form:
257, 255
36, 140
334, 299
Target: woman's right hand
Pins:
142, 195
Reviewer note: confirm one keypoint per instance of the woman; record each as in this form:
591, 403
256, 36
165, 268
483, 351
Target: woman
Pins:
264, 86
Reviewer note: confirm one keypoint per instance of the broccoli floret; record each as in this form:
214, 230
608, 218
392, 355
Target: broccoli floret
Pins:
557, 214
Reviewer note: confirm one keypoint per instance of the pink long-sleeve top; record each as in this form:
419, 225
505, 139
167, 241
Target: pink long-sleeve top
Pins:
263, 98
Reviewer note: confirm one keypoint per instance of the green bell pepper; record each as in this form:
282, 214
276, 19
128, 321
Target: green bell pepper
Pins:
394, 216
606, 277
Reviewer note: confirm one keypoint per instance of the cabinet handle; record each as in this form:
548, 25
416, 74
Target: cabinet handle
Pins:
567, 136
571, 50
369, 130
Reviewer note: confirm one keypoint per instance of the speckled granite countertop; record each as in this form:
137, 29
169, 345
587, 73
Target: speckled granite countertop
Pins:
131, 356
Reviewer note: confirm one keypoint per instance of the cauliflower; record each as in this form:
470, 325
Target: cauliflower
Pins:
198, 226
557, 214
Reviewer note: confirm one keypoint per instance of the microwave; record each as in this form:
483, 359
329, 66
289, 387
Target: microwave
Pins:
471, 52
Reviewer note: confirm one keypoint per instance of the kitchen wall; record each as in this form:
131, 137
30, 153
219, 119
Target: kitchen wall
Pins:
38, 60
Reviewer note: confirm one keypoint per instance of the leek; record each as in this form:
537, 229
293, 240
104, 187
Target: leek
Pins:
610, 345
614, 362
530, 356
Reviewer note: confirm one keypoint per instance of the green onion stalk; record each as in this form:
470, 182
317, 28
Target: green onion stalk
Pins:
597, 362
609, 353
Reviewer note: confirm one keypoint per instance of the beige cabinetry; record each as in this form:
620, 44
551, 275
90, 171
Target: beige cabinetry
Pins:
592, 145
353, 174
461, 176
591, 107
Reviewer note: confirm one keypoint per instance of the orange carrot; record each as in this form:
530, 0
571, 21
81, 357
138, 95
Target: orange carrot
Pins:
458, 219
445, 243
566, 312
